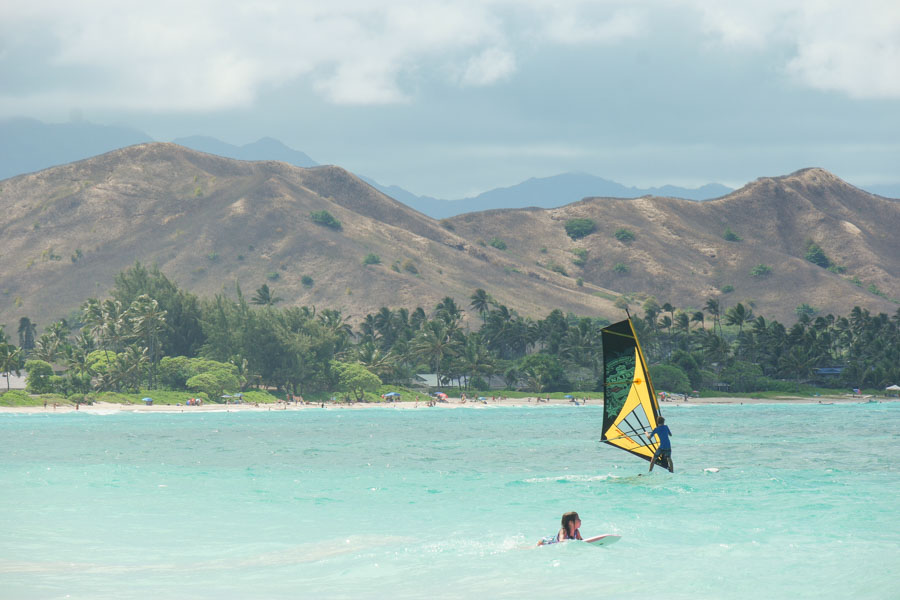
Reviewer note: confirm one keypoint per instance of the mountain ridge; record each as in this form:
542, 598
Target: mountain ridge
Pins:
211, 222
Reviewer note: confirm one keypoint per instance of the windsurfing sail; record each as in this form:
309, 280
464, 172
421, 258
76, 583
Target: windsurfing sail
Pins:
630, 407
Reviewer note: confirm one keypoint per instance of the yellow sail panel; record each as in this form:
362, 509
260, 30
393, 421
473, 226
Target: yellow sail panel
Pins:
636, 418
630, 408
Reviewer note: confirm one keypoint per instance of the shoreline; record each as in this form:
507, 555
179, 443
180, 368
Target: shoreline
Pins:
110, 408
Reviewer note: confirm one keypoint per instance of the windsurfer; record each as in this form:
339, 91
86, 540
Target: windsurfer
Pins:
664, 452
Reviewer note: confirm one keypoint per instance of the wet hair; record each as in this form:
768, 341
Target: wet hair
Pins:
567, 518
662, 421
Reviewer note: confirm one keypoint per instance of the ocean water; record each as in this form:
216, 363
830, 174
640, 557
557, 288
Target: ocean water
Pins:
796, 501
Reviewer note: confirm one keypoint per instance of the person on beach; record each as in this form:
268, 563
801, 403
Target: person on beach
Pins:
569, 530
664, 452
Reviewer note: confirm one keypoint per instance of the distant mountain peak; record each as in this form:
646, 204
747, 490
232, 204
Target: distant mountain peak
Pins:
265, 148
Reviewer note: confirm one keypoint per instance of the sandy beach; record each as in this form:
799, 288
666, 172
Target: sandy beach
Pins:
106, 407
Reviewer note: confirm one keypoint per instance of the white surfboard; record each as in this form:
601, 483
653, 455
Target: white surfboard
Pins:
603, 540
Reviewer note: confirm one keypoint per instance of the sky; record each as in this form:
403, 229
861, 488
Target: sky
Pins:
452, 98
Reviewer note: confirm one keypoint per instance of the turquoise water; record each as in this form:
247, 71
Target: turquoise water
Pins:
448, 503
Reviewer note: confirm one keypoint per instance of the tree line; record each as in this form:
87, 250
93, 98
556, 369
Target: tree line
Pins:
151, 334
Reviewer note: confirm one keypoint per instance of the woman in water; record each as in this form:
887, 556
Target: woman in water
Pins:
568, 531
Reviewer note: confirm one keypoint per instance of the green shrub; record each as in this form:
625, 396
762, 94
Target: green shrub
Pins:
39, 379
761, 270
17, 398
580, 257
579, 282
621, 268
727, 289
176, 371
410, 267
498, 243
805, 309
214, 383
371, 259
579, 228
273, 276
731, 236
307, 281
670, 378
624, 235
744, 376
816, 255
323, 217
557, 268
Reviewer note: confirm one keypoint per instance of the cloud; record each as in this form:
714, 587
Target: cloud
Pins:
492, 65
848, 47
578, 25
201, 55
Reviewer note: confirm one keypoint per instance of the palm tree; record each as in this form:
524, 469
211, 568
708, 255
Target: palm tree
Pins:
368, 329
434, 344
738, 315
149, 321
713, 308
115, 325
448, 310
10, 361
698, 317
683, 321
46, 348
265, 297
126, 370
93, 318
796, 362
475, 358
384, 326
651, 311
76, 363
334, 322
669, 309
27, 333
481, 302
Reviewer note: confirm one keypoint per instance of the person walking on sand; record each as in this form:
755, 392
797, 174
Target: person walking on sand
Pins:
569, 530
664, 452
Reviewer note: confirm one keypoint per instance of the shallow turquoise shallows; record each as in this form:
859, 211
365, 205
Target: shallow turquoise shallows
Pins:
766, 502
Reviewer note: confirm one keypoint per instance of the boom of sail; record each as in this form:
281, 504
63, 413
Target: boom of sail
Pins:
630, 407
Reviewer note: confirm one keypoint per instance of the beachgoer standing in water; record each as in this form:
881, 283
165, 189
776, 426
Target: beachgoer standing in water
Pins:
568, 531
664, 452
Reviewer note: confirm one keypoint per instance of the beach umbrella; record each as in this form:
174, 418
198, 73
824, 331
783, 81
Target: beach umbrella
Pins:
147, 400
568, 396
893, 388
392, 395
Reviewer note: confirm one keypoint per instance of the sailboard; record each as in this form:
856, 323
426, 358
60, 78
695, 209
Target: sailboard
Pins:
630, 407
603, 540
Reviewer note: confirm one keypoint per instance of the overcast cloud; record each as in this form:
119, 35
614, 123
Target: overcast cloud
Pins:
410, 88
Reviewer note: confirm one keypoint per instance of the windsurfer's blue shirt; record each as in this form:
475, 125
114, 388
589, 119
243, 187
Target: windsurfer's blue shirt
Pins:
663, 433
